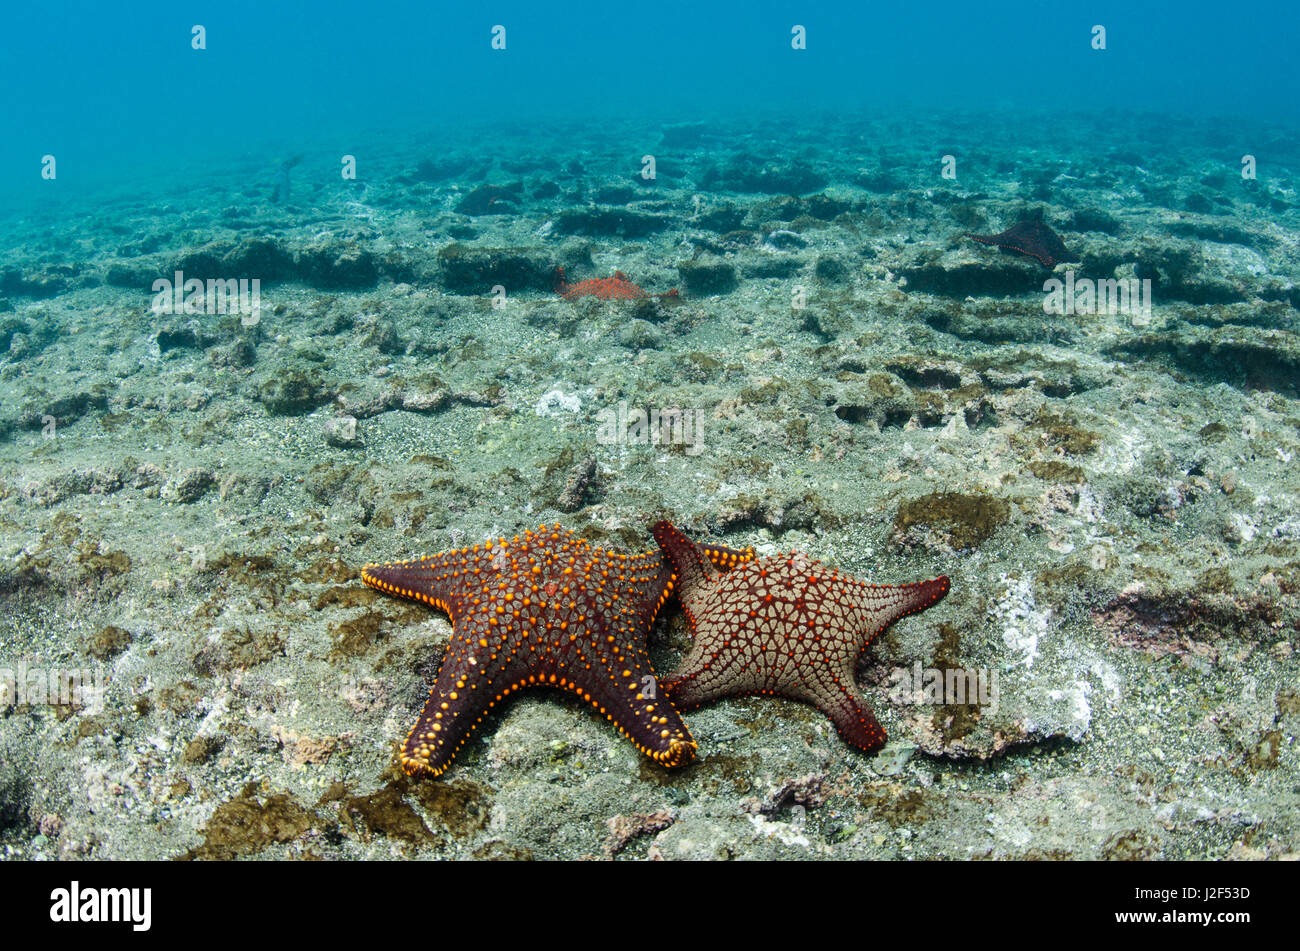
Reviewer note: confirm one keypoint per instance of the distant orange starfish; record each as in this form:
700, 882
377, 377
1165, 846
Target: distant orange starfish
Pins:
617, 287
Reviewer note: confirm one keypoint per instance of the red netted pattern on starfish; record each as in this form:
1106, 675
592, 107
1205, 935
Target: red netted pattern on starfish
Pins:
543, 609
617, 287
786, 625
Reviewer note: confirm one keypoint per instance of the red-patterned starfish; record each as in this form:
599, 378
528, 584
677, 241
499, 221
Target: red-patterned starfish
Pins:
543, 609
786, 625
617, 287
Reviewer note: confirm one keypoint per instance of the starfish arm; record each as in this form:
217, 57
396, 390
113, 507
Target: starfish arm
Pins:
878, 606
628, 694
619, 684
444, 724
725, 557
852, 717
428, 580
662, 578
691, 563
685, 690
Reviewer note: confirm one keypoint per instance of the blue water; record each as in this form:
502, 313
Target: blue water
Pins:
115, 91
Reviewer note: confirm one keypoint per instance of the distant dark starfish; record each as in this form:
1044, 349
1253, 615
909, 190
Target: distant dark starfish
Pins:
1032, 238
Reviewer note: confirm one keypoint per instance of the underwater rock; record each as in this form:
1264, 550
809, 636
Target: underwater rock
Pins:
640, 335
881, 398
181, 337
771, 265
428, 170
190, 486
131, 274
294, 392
610, 222
240, 354
265, 259
707, 275
471, 270
246, 826
1093, 219
988, 324
36, 411
259, 257
1243, 357
830, 269
21, 338
721, 218
821, 207
827, 322
109, 642
1202, 273
776, 510
341, 432
616, 194
880, 180
42, 283
492, 200
203, 262
684, 135
773, 178
383, 336
338, 264
949, 520
544, 189
20, 346
580, 487
971, 279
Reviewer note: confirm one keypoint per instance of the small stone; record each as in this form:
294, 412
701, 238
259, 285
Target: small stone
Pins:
640, 335
109, 642
426, 401
341, 432
190, 487
579, 486
201, 749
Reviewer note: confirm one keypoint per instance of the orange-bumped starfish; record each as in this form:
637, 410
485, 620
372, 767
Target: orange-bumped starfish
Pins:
543, 609
785, 625
617, 287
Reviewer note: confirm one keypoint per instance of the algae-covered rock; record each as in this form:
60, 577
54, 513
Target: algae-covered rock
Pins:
109, 642
881, 398
294, 392
708, 275
475, 270
953, 519
598, 221
246, 825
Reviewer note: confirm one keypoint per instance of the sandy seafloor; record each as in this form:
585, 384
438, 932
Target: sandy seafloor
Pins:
1117, 501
